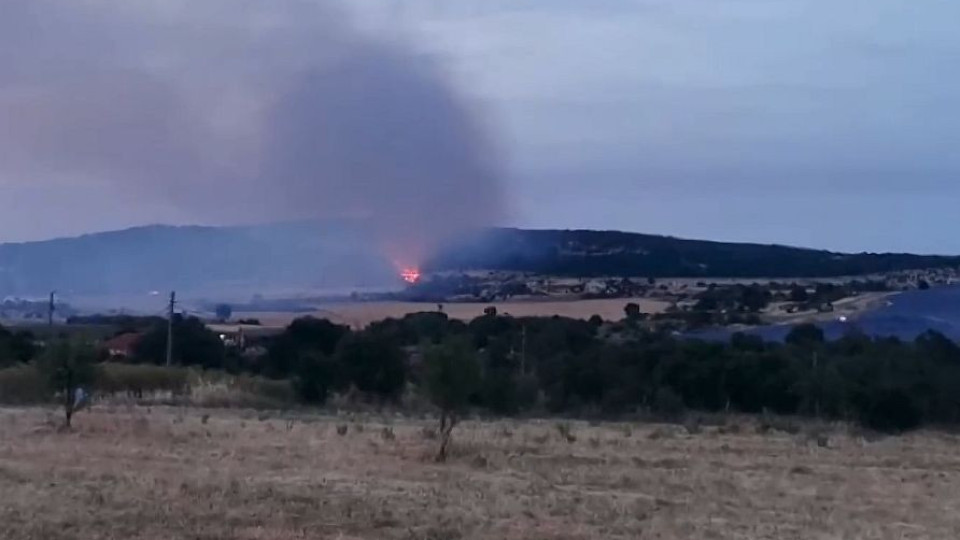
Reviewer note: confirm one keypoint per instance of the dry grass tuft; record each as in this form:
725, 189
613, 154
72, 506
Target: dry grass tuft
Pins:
566, 433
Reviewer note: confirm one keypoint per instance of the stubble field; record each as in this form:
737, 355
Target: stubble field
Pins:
165, 473
360, 314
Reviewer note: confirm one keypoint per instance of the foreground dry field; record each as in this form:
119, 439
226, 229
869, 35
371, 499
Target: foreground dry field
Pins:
163, 473
360, 314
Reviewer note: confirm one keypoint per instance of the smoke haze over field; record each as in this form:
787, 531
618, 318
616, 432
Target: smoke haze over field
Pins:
230, 111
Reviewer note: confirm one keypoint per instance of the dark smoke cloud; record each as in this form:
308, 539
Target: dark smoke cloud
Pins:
243, 111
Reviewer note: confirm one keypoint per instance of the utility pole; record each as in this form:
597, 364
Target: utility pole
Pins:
173, 302
523, 350
51, 307
819, 382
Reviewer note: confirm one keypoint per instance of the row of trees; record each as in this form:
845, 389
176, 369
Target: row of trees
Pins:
507, 366
511, 365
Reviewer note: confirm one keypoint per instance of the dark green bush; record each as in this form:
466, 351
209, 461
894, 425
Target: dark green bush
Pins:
315, 376
892, 410
373, 364
23, 384
668, 404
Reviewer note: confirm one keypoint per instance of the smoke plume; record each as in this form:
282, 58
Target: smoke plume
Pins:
243, 111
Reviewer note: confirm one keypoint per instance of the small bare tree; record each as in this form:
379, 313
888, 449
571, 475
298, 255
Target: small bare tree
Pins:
68, 367
452, 376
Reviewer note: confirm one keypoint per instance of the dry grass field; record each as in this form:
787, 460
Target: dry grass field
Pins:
164, 473
360, 314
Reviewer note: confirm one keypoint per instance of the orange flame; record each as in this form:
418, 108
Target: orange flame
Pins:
410, 275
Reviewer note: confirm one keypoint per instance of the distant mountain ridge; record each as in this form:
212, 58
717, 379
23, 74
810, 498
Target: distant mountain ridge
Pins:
317, 255
196, 259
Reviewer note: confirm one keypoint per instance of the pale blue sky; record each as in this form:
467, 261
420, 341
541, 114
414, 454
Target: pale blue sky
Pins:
806, 122
827, 124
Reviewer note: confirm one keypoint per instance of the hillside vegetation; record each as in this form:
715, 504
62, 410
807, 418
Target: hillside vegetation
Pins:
616, 253
333, 255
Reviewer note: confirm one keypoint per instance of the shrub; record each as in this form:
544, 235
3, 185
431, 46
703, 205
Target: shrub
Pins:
68, 367
215, 390
140, 379
374, 364
499, 392
565, 431
452, 376
305, 336
22, 385
16, 347
278, 393
668, 404
528, 392
316, 375
892, 411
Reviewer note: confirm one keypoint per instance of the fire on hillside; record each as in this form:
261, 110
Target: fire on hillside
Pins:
410, 275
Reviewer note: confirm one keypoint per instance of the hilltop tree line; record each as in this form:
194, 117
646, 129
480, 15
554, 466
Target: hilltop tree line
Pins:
551, 365
585, 253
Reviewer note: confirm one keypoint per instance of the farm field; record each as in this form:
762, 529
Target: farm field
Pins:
360, 314
165, 473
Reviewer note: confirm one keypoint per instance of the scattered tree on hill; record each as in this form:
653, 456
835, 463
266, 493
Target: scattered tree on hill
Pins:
451, 377
754, 298
68, 367
798, 293
632, 311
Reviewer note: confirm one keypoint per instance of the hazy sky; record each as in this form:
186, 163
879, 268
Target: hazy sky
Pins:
816, 123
